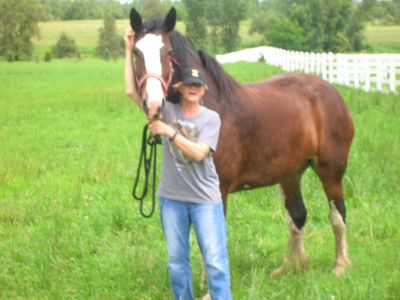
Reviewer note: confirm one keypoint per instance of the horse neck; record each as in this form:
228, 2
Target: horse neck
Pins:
222, 101
229, 101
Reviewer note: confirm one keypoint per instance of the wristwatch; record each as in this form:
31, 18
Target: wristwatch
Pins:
172, 138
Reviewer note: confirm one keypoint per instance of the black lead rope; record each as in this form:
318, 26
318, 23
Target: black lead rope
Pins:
147, 160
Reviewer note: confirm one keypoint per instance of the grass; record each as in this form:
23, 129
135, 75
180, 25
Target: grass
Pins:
383, 34
383, 39
69, 228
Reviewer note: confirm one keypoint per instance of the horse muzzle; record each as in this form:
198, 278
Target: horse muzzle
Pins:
154, 111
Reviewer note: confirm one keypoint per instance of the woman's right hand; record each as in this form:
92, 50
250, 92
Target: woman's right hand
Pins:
128, 38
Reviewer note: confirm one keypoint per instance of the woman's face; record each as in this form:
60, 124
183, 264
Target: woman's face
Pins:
192, 92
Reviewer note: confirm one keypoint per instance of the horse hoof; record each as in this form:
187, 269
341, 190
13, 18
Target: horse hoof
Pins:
278, 272
206, 297
348, 262
339, 270
340, 267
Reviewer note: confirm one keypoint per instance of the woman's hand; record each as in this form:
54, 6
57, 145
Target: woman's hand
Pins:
160, 128
195, 150
128, 38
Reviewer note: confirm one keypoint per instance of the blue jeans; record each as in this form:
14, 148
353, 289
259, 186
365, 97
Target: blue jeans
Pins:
210, 227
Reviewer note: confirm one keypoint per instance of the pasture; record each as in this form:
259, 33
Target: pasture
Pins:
69, 228
86, 33
383, 39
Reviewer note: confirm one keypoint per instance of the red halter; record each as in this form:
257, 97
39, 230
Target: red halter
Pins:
165, 84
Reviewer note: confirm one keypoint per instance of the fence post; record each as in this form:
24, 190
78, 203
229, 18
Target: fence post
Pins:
392, 75
307, 63
356, 71
380, 73
367, 79
331, 71
312, 60
347, 66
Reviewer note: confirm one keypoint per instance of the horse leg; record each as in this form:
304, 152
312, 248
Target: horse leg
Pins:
331, 174
296, 215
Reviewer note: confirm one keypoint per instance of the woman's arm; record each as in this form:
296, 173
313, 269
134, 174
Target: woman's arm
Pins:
195, 150
130, 86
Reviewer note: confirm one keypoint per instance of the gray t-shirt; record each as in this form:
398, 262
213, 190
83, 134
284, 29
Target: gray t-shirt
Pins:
182, 178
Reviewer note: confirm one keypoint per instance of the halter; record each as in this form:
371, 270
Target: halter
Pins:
164, 84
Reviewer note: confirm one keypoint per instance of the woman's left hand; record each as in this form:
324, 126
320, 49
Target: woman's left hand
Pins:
160, 128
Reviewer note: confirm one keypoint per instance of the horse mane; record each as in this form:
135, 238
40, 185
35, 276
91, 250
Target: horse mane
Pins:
224, 82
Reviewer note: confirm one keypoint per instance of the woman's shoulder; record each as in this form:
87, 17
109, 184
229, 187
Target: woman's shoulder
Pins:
171, 109
211, 115
210, 112
170, 105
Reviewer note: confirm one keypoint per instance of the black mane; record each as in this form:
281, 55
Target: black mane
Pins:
224, 82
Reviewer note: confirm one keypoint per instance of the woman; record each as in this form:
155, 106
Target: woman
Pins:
189, 185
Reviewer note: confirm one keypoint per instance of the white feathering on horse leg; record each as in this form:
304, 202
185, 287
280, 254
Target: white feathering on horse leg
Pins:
296, 253
339, 229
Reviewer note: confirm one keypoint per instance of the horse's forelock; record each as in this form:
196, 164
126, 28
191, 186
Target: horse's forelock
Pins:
152, 25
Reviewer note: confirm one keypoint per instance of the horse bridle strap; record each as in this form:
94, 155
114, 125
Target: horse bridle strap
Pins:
164, 84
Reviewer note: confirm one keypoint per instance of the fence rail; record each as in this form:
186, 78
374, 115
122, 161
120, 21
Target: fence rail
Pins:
370, 72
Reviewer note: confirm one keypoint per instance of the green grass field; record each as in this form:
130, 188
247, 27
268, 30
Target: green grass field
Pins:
69, 228
383, 39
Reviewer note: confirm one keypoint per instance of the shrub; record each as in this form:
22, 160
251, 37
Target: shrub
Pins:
47, 57
65, 47
110, 45
10, 56
287, 35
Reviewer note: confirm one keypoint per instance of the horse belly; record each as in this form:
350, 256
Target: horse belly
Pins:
273, 152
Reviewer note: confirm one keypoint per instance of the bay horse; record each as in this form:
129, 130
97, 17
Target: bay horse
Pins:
271, 131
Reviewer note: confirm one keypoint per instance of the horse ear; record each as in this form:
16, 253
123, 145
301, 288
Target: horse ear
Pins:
136, 20
170, 20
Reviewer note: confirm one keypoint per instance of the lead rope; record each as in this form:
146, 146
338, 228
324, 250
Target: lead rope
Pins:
146, 161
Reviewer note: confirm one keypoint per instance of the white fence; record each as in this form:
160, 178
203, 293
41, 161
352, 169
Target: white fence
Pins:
370, 72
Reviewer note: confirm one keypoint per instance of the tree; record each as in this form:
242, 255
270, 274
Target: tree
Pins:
18, 24
232, 13
53, 8
153, 9
110, 44
65, 47
196, 23
287, 35
214, 23
221, 16
314, 25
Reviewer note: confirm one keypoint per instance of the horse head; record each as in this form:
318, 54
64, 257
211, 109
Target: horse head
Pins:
153, 60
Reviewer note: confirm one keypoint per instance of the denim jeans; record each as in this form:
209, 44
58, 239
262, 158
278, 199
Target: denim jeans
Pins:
210, 227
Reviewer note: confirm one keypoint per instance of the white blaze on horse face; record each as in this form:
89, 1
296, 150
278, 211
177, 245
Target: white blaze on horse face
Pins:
150, 46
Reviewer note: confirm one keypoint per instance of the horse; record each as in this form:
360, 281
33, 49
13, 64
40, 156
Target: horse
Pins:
271, 131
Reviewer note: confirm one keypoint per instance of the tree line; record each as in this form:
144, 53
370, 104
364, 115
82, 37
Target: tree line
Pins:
213, 25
